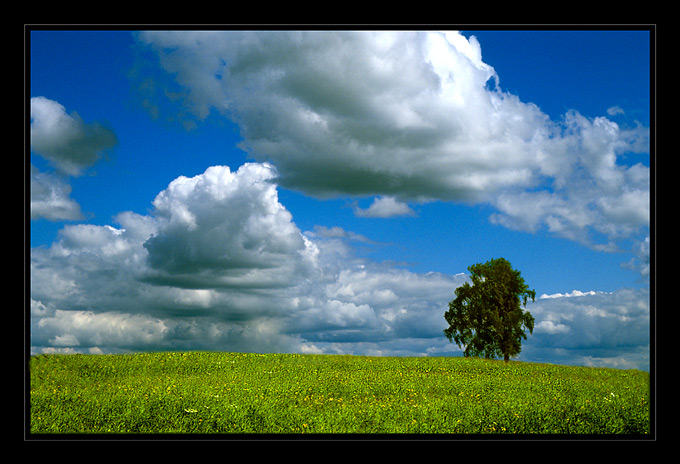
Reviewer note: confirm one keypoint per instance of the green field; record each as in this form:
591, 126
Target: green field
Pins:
217, 393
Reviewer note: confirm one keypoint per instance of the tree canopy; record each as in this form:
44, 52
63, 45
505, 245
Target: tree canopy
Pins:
487, 317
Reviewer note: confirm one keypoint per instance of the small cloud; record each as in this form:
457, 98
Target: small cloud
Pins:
614, 110
70, 146
385, 207
550, 327
568, 295
50, 198
339, 232
64, 139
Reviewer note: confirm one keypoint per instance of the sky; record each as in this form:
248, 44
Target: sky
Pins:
325, 191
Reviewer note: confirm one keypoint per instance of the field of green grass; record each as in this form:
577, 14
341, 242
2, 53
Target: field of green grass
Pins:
206, 393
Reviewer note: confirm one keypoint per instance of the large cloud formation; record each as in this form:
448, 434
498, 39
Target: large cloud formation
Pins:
411, 116
592, 328
225, 229
404, 117
219, 264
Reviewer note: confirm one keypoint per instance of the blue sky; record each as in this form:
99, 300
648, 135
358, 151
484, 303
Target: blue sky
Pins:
392, 162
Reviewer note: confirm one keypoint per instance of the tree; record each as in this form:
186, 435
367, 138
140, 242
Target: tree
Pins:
486, 317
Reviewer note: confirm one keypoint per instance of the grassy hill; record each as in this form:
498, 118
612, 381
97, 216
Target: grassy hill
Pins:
199, 392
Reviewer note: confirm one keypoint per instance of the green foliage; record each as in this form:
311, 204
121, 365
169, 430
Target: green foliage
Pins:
286, 393
487, 317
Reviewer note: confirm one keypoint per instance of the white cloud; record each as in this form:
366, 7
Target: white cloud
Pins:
385, 207
70, 146
641, 260
336, 232
411, 116
388, 113
65, 139
401, 116
550, 327
86, 328
50, 198
592, 328
223, 229
593, 200
219, 264
615, 110
567, 295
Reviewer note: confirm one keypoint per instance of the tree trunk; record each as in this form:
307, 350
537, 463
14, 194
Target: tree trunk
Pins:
506, 358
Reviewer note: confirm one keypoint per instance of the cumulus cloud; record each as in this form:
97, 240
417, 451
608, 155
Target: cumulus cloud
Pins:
70, 146
592, 328
224, 228
615, 110
395, 113
384, 302
592, 199
219, 264
51, 198
211, 267
385, 207
336, 232
410, 116
65, 140
641, 260
402, 117
567, 295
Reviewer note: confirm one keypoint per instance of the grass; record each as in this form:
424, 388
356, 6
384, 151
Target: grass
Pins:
218, 393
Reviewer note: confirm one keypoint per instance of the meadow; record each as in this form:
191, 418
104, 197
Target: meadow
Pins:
246, 393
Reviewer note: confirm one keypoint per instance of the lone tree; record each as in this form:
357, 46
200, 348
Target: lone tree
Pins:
486, 317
